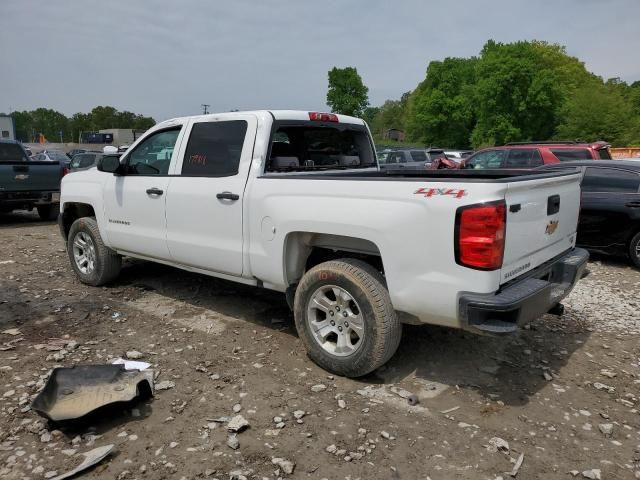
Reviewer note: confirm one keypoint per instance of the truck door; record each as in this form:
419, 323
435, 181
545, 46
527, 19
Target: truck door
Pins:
205, 197
134, 203
610, 200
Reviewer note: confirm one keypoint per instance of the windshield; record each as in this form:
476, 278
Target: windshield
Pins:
310, 146
487, 159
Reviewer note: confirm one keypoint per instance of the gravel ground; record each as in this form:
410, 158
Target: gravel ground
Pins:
560, 398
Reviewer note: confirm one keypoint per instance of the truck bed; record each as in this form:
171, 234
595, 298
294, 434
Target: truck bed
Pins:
470, 176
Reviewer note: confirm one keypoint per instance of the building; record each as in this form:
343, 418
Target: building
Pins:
394, 134
7, 127
123, 136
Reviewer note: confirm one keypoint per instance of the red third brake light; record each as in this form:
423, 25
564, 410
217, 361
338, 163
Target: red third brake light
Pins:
323, 117
479, 241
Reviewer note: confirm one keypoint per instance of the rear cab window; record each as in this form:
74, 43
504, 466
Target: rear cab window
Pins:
300, 145
11, 152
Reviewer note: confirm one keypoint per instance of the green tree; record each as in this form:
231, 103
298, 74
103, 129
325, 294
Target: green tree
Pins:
347, 93
599, 113
441, 110
517, 96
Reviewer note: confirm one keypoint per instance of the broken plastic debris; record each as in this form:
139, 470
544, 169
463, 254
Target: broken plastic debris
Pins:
131, 364
91, 458
71, 393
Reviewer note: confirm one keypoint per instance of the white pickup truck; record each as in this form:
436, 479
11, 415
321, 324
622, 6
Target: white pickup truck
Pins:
295, 202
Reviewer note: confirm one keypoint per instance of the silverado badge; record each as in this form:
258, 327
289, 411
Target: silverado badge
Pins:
552, 226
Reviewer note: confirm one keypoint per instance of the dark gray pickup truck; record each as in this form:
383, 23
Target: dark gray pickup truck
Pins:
27, 184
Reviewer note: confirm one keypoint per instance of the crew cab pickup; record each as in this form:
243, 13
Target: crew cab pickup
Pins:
295, 202
27, 184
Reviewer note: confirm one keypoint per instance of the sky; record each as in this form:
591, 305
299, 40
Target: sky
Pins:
166, 58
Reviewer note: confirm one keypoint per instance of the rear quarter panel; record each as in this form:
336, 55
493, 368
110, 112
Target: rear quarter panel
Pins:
414, 233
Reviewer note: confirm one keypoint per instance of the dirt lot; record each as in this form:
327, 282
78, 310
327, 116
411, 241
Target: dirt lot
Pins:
563, 392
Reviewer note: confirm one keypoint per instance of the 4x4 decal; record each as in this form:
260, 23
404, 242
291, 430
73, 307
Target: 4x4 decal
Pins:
430, 192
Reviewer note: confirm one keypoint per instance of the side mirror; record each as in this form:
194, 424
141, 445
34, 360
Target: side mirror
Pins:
109, 164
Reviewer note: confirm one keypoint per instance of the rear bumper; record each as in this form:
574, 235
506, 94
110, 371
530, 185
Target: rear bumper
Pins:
15, 200
525, 298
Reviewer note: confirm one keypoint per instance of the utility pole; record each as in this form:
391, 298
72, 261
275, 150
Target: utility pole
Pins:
205, 107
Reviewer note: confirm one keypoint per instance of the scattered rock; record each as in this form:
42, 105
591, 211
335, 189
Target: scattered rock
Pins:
233, 442
287, 466
237, 424
606, 429
299, 414
165, 385
237, 408
318, 388
134, 355
593, 474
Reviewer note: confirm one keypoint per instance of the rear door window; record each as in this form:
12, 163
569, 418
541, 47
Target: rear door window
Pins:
610, 180
568, 154
418, 156
524, 158
214, 149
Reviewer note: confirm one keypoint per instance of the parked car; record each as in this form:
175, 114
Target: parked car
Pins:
28, 184
415, 158
532, 155
610, 214
52, 156
86, 160
294, 202
410, 158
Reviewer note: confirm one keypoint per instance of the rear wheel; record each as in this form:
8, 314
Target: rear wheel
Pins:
49, 212
94, 263
345, 318
634, 250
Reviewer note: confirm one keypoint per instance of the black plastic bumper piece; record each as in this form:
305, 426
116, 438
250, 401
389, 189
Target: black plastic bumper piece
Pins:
525, 298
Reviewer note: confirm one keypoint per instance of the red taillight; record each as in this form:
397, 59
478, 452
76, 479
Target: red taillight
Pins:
323, 117
480, 235
65, 170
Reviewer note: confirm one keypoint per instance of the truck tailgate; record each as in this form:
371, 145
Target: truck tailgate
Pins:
542, 217
30, 176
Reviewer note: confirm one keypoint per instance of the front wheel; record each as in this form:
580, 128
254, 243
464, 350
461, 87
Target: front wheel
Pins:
634, 250
345, 318
94, 263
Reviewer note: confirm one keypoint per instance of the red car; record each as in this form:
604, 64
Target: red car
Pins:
535, 154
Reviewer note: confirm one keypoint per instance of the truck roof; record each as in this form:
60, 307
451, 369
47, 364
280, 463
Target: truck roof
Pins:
299, 115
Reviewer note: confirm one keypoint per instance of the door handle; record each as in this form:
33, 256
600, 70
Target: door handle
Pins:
154, 191
632, 204
227, 196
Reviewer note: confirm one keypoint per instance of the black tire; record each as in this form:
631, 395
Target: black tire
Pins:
107, 263
382, 330
634, 250
49, 212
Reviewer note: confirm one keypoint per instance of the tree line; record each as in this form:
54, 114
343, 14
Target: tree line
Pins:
55, 126
521, 91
